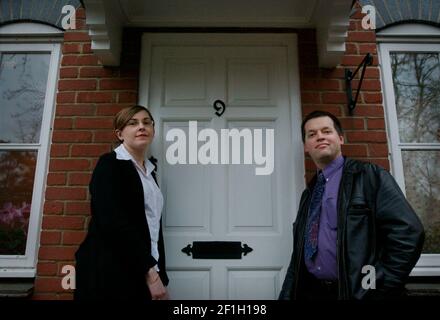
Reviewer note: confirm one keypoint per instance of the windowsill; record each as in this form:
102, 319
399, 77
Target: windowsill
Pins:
427, 266
423, 286
17, 273
425, 272
13, 288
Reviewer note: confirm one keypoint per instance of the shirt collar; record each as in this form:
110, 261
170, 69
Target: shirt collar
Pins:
123, 154
333, 166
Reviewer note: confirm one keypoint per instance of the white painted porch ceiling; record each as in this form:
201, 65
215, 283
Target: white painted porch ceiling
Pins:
218, 13
106, 19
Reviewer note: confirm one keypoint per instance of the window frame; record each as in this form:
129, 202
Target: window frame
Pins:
401, 39
33, 38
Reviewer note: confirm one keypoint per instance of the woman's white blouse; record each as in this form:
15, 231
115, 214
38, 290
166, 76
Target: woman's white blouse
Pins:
152, 196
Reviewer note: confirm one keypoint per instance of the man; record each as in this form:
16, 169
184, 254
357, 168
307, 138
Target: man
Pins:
353, 223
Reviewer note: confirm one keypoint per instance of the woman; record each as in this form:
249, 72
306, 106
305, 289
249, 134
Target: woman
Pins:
122, 256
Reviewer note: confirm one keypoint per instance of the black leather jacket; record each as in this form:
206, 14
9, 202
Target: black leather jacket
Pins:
376, 226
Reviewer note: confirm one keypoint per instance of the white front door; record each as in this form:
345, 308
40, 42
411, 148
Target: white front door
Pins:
256, 78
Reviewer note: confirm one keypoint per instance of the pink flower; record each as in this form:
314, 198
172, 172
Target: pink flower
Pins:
12, 217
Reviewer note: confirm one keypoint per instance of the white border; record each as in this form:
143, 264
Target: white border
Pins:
428, 264
25, 265
409, 33
29, 29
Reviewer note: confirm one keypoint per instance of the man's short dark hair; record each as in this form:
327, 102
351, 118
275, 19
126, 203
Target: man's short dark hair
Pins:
319, 114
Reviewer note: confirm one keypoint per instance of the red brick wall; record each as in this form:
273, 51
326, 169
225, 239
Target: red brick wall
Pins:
89, 95
324, 89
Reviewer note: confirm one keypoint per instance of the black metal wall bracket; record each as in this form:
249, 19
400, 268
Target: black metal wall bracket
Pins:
349, 76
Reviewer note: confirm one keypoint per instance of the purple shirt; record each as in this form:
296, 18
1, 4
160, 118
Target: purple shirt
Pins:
324, 264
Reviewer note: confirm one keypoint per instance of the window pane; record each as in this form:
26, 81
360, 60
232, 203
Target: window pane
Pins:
17, 171
23, 79
416, 81
422, 182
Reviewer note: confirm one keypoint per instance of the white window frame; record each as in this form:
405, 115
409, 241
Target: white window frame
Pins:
405, 38
33, 38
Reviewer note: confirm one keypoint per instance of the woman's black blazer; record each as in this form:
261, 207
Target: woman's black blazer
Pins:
115, 256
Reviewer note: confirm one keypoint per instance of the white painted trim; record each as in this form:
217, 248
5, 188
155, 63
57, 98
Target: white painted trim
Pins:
428, 264
420, 146
17, 272
410, 29
105, 20
29, 32
213, 39
409, 33
24, 146
295, 121
24, 266
425, 272
30, 29
267, 22
431, 260
391, 116
415, 40
332, 19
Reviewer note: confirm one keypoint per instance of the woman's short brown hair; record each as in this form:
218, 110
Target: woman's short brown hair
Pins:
122, 117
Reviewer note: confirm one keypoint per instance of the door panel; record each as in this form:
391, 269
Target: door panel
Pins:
254, 285
251, 202
178, 197
250, 82
186, 81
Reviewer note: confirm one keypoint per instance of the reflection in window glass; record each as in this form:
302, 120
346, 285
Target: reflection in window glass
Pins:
17, 171
416, 81
23, 78
422, 183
